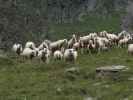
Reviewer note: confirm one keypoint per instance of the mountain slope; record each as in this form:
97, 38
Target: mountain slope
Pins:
33, 80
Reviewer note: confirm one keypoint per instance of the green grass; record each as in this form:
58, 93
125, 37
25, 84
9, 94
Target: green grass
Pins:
40, 81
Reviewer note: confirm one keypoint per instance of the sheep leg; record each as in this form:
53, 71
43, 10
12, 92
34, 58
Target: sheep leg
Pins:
22, 58
39, 60
99, 50
119, 46
47, 61
17, 58
89, 51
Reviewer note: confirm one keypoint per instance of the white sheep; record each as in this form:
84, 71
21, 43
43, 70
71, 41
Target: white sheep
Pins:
72, 41
43, 45
70, 55
93, 35
28, 53
113, 38
47, 42
123, 42
130, 49
30, 45
58, 55
76, 46
99, 43
103, 33
17, 48
91, 46
44, 55
106, 41
57, 45
84, 41
123, 34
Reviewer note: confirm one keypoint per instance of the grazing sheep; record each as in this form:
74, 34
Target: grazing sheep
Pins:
91, 46
76, 46
28, 53
58, 55
99, 44
123, 42
58, 45
47, 42
113, 38
93, 35
30, 45
130, 49
72, 41
84, 40
106, 41
123, 34
70, 55
96, 42
17, 48
43, 45
103, 34
44, 55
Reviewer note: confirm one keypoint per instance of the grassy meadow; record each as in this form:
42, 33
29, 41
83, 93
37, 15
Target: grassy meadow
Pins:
31, 80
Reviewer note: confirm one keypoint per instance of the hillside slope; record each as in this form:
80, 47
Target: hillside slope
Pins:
39, 81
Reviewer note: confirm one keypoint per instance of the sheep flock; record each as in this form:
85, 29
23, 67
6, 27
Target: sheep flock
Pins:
68, 49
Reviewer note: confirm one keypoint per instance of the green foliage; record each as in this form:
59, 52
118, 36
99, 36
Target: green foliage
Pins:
105, 7
89, 23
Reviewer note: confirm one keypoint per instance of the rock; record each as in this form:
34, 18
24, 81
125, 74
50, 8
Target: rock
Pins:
110, 70
89, 98
106, 86
97, 84
130, 78
72, 70
58, 90
125, 99
71, 73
